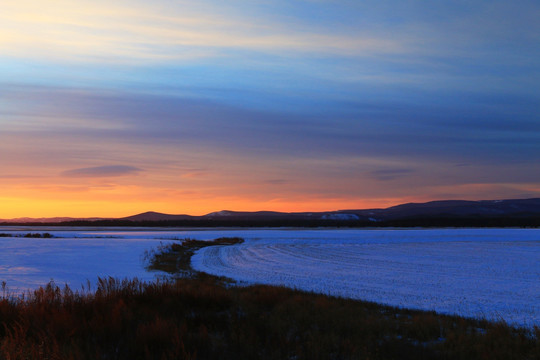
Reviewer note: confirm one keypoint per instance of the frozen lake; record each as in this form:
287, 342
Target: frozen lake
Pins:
493, 273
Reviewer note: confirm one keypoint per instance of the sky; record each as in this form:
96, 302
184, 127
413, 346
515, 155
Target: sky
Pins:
187, 107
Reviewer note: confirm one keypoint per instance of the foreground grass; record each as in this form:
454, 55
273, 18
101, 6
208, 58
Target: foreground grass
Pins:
201, 317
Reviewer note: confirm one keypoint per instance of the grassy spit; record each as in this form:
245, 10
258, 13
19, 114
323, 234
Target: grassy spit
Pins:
198, 316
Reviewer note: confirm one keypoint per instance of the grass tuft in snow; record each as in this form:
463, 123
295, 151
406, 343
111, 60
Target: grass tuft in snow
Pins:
175, 258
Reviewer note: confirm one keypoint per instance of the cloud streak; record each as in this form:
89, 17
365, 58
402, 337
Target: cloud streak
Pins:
121, 32
135, 32
457, 133
101, 171
390, 174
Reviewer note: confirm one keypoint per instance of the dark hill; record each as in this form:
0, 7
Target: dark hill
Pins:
459, 213
155, 216
518, 208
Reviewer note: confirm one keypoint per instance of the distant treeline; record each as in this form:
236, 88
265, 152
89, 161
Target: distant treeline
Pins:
441, 221
29, 235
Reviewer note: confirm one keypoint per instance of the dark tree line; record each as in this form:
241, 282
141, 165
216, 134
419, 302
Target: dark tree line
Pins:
435, 221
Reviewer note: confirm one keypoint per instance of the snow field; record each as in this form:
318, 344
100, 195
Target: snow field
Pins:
492, 273
478, 273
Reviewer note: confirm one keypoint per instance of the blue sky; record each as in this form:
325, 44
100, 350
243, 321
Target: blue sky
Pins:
281, 105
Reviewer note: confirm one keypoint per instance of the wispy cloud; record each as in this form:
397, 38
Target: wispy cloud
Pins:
126, 32
390, 174
19, 177
194, 173
101, 31
276, 182
467, 132
102, 171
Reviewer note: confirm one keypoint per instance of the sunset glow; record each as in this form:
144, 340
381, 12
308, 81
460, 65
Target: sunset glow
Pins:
108, 109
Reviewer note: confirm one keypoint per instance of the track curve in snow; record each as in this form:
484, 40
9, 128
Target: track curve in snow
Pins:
479, 273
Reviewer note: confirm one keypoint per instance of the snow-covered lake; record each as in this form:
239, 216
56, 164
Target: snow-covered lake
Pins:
493, 273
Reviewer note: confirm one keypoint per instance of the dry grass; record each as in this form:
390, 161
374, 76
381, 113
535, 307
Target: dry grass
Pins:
204, 319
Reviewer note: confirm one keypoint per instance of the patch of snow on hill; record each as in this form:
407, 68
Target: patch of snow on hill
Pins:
340, 217
220, 213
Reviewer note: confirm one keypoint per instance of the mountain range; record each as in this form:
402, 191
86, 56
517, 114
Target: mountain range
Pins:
463, 209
